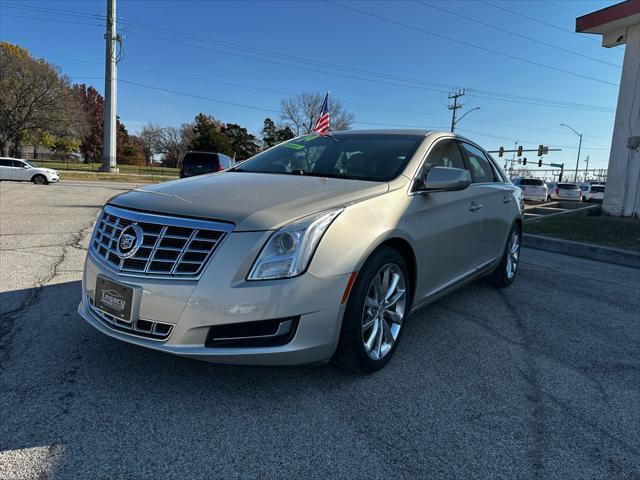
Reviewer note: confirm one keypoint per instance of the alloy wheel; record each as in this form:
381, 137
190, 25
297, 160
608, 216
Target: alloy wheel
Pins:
384, 311
513, 254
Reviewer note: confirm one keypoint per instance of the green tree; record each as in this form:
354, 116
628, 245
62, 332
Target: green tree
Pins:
34, 98
208, 135
243, 143
273, 135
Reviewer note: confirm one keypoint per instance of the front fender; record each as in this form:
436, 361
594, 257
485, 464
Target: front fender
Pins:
357, 232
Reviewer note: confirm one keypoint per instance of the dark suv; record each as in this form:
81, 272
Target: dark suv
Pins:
198, 163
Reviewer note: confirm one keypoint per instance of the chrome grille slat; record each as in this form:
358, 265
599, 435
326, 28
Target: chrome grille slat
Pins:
171, 246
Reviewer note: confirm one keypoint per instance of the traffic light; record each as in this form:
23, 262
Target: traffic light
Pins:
501, 151
540, 150
524, 161
520, 151
540, 162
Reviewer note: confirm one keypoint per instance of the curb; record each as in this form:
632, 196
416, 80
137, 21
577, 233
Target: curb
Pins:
616, 256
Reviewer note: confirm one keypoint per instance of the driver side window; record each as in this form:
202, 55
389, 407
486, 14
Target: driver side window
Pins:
444, 154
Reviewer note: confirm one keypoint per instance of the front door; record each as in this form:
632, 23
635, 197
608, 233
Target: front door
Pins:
21, 171
446, 226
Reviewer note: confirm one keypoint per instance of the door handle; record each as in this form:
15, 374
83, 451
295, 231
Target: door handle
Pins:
506, 199
475, 206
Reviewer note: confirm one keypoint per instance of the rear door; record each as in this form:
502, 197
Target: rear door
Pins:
496, 202
6, 169
444, 224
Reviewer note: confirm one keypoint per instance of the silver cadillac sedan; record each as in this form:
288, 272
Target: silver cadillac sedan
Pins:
316, 249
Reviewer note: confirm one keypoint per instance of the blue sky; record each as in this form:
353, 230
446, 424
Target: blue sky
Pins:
242, 52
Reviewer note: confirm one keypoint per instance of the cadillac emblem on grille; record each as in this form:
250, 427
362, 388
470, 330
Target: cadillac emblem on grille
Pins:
129, 241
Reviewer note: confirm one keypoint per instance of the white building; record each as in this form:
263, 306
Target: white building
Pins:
620, 24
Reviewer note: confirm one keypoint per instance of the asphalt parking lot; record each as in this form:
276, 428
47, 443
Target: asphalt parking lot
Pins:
541, 380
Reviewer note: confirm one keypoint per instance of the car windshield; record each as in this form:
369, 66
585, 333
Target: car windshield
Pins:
378, 157
531, 181
32, 163
568, 186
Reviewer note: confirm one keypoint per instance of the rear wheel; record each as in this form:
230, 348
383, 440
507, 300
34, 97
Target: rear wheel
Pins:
39, 179
505, 272
375, 314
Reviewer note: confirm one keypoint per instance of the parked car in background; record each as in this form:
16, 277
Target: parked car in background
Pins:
317, 248
533, 189
592, 192
199, 163
564, 191
18, 170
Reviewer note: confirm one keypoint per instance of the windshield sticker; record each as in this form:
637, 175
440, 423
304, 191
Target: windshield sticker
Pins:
295, 146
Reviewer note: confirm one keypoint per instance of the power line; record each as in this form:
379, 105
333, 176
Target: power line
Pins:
537, 20
382, 76
467, 44
516, 34
199, 97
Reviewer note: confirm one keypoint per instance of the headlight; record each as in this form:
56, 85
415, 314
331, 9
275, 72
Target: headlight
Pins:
289, 250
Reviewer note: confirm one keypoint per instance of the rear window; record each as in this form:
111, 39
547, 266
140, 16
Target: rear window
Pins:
568, 186
198, 158
531, 181
597, 189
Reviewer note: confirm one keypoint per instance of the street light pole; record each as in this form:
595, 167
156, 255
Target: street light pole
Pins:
455, 121
579, 148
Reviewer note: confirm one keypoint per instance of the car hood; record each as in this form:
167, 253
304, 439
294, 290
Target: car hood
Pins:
252, 201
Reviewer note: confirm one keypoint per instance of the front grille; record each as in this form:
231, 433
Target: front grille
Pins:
170, 246
139, 327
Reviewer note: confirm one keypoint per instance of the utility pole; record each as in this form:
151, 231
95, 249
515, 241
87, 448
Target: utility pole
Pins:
586, 168
455, 106
109, 163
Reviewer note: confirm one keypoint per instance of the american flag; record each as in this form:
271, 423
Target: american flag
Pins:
322, 125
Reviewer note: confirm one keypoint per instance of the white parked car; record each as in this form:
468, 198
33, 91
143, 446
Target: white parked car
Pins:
564, 191
592, 192
533, 189
19, 170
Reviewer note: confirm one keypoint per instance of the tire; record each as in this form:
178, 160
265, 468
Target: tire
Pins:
39, 179
382, 322
505, 272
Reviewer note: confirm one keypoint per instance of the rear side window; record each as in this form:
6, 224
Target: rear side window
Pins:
444, 154
6, 163
197, 158
480, 168
532, 181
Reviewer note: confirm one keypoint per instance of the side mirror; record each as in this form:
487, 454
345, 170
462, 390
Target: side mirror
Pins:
26, 165
445, 179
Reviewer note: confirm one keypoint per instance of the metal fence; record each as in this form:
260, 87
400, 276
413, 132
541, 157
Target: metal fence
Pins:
74, 164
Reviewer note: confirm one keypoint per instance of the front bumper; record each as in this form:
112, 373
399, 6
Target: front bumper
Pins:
221, 297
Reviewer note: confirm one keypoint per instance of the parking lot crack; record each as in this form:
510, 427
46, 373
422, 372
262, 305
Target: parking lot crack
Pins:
8, 326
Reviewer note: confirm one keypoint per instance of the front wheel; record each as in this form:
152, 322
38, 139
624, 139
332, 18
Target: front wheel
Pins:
375, 314
505, 272
39, 180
